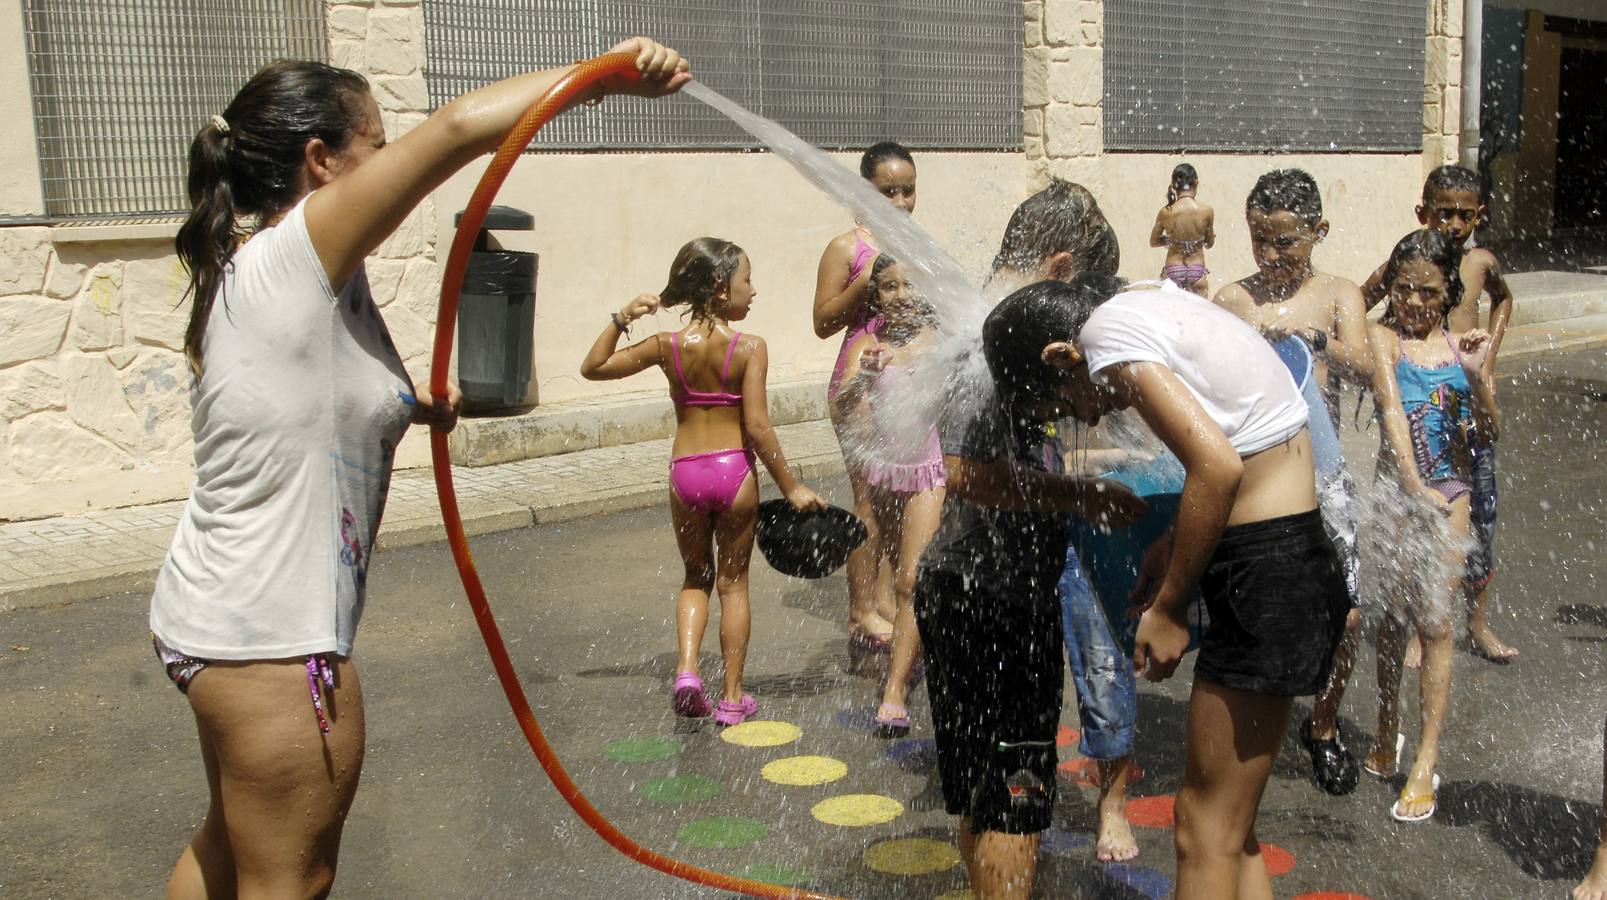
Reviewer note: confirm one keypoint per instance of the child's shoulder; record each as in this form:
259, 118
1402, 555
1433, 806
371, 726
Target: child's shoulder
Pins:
1481, 259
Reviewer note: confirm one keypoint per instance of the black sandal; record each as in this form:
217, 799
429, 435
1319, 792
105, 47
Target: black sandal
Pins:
1332, 764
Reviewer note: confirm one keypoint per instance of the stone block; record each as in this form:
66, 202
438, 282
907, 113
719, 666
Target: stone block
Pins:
96, 403
384, 278
65, 279
151, 294
156, 388
24, 256
401, 93
31, 327
420, 289
348, 55
1453, 112
1432, 115
415, 236
1035, 78
97, 322
30, 388
1071, 131
1032, 23
1077, 76
412, 333
347, 23
400, 123
54, 448
395, 41
1061, 19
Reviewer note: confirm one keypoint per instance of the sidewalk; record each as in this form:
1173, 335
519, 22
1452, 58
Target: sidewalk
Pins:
46, 562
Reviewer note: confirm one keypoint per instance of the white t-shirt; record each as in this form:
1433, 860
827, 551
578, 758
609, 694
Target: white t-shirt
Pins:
296, 417
1227, 365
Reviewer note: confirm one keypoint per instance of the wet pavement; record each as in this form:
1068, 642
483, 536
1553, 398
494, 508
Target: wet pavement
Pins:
105, 781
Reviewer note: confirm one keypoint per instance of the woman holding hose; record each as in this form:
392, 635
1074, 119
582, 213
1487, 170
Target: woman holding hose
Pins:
298, 399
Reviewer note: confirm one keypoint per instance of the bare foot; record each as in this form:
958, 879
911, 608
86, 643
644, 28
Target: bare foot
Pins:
1414, 654
1417, 797
1116, 842
1483, 642
1594, 887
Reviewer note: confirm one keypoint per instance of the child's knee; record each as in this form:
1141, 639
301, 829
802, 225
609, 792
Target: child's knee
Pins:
699, 576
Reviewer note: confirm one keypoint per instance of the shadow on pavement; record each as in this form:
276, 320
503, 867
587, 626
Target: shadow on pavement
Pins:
1546, 836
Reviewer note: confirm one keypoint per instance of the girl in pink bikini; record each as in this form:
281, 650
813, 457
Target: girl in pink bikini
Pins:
717, 382
840, 294
902, 465
1185, 227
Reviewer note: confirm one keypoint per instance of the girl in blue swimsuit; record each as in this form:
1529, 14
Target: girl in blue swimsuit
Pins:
1435, 403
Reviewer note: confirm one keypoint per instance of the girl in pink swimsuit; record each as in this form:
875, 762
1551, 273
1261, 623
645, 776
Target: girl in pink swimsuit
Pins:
900, 460
840, 291
716, 380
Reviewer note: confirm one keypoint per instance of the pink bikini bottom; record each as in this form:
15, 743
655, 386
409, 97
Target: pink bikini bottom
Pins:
709, 482
1183, 276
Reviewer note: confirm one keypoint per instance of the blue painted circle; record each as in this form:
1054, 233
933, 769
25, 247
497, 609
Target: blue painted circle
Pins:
1149, 882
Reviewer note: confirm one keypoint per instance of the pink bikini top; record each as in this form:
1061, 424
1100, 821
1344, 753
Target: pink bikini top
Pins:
689, 397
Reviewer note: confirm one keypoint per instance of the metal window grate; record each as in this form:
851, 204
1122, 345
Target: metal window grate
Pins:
1264, 75
120, 87
841, 73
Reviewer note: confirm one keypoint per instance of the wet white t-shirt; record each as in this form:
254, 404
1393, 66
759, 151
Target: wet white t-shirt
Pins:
1227, 365
296, 418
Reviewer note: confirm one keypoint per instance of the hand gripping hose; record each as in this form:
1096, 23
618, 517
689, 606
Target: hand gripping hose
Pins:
550, 104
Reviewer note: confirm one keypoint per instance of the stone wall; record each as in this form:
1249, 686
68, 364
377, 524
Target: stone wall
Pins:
1442, 84
94, 407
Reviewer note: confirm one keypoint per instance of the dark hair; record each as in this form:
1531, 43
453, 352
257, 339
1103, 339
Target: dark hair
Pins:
1431, 247
1184, 178
873, 296
1017, 330
250, 165
1452, 178
880, 153
701, 269
1287, 190
1062, 217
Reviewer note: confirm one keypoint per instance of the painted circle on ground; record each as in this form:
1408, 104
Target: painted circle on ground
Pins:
911, 856
1084, 772
958, 894
1152, 812
761, 734
777, 873
680, 789
1149, 882
1066, 736
1060, 840
857, 810
898, 751
721, 832
804, 770
1332, 895
1279, 861
857, 718
635, 750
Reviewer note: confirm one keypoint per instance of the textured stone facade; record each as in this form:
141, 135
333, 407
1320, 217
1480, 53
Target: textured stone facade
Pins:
94, 404
1442, 84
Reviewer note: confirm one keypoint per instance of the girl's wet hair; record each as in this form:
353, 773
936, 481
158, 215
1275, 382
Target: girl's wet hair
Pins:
1184, 178
1431, 247
251, 168
1063, 217
1452, 178
1017, 330
702, 268
873, 294
880, 153
1287, 190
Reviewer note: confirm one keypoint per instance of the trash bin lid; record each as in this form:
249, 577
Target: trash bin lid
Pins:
502, 218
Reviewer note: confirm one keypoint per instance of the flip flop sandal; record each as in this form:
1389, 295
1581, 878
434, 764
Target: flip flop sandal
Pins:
892, 721
1400, 744
879, 643
1433, 797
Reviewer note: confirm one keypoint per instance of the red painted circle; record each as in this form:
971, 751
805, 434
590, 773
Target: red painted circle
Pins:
1066, 736
1332, 895
1152, 812
1279, 861
1084, 772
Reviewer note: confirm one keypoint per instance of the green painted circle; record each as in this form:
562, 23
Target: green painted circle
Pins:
721, 832
635, 750
680, 789
777, 873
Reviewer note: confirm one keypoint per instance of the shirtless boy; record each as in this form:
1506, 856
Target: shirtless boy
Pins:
1451, 205
1288, 298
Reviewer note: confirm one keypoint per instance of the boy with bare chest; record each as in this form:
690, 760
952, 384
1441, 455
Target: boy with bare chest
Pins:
1318, 324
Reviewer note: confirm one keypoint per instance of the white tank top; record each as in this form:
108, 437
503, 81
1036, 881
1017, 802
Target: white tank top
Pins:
296, 417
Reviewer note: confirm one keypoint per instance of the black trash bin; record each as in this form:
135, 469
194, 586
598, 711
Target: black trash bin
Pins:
497, 317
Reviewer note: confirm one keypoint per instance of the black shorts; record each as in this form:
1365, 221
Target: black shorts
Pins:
993, 673
1275, 593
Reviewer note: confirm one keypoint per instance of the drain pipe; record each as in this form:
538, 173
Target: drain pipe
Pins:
1472, 80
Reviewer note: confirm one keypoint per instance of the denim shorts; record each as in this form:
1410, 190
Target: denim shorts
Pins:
1481, 519
1275, 592
1107, 691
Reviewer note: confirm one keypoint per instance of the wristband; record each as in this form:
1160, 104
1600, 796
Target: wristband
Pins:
620, 323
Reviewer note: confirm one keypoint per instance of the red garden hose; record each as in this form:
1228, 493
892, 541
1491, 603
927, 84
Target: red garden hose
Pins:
584, 75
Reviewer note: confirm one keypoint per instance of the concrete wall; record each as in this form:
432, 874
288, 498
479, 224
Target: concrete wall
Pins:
93, 403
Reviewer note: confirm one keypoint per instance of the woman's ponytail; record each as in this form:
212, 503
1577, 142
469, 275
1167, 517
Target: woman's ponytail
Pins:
206, 240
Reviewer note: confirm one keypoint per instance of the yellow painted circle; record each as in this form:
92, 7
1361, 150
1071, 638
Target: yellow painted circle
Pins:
912, 856
857, 810
960, 894
804, 770
762, 734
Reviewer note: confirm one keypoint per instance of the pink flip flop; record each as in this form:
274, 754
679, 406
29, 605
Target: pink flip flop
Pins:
689, 700
892, 721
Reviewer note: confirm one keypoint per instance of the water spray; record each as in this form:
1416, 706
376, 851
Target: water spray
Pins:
557, 97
